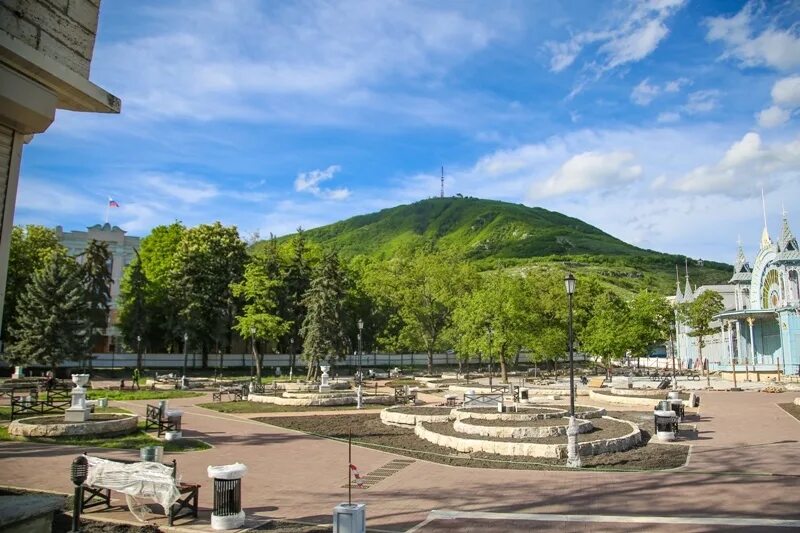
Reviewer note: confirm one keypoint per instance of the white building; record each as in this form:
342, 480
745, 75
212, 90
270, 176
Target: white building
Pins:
123, 251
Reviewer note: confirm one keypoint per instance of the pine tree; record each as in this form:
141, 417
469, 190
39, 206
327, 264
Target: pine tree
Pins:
296, 282
52, 316
97, 278
133, 307
323, 327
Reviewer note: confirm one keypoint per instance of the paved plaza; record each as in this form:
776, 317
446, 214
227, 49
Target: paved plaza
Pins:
742, 474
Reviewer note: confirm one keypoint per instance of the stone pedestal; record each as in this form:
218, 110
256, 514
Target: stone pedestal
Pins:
325, 383
78, 411
573, 457
18, 372
359, 397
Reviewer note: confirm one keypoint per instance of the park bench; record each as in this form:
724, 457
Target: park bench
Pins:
692, 375
665, 383
186, 504
29, 401
155, 418
490, 399
596, 382
518, 393
236, 392
404, 394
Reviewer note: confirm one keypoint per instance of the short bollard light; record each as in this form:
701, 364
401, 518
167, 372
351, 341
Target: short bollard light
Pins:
78, 475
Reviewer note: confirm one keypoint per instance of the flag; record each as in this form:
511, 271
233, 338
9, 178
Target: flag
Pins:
359, 479
112, 203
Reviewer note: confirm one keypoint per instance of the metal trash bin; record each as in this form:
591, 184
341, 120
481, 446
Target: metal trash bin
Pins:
227, 511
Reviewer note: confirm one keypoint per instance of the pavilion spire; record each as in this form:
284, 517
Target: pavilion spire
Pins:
765, 240
787, 241
741, 260
678, 294
688, 295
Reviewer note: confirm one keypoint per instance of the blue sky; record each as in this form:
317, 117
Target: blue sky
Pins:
658, 122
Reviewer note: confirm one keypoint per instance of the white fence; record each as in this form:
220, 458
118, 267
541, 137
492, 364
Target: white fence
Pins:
195, 360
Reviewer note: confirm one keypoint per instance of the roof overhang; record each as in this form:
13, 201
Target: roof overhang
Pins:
747, 313
72, 91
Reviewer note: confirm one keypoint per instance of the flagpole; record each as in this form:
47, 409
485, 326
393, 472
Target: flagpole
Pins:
108, 208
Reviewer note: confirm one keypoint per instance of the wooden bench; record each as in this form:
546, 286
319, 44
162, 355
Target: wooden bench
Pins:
155, 419
237, 392
691, 375
596, 382
185, 505
491, 399
33, 403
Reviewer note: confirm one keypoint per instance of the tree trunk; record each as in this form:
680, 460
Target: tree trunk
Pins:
139, 358
204, 349
430, 360
257, 362
503, 369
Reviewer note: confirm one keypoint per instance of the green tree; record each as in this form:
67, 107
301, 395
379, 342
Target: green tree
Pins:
296, 262
259, 290
495, 319
209, 260
698, 315
133, 307
323, 329
651, 321
157, 256
96, 269
31, 249
52, 323
424, 288
608, 334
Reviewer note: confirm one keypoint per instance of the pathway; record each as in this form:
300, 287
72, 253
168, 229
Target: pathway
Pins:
744, 465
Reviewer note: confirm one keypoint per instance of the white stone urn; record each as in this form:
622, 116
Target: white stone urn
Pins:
78, 411
325, 385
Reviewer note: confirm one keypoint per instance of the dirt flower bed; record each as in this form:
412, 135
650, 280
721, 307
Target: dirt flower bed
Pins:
648, 394
422, 410
538, 423
603, 429
370, 432
522, 411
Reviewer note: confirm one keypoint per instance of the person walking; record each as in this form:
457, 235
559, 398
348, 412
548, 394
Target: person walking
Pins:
136, 375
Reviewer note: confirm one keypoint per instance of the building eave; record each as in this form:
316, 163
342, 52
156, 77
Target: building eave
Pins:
73, 91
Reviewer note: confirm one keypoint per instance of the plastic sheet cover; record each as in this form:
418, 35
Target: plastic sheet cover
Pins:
140, 480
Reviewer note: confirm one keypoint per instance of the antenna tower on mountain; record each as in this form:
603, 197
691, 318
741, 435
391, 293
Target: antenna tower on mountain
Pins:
441, 194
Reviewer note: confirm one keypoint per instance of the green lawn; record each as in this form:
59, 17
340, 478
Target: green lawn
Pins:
94, 394
258, 407
134, 441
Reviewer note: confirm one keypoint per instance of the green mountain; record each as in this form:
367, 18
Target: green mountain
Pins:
497, 234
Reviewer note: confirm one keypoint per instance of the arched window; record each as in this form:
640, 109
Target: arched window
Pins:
794, 286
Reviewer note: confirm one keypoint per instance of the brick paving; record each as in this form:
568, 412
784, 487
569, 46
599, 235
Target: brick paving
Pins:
744, 464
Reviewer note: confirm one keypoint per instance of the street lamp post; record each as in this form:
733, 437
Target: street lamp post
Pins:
489, 330
252, 350
360, 331
291, 357
138, 349
573, 457
185, 354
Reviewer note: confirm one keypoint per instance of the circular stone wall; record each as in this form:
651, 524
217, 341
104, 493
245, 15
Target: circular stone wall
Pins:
530, 449
54, 426
391, 416
624, 400
520, 432
537, 413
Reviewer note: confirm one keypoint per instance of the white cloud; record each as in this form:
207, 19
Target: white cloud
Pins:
668, 117
746, 166
701, 101
632, 35
644, 93
588, 171
309, 182
675, 86
48, 197
771, 46
185, 190
256, 61
786, 92
773, 117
